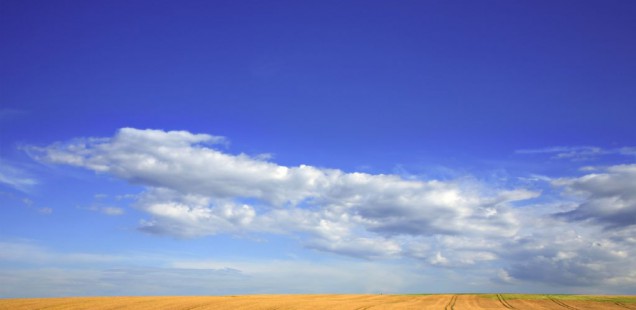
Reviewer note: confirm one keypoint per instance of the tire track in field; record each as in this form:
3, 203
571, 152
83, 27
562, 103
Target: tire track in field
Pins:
451, 303
562, 304
504, 302
620, 304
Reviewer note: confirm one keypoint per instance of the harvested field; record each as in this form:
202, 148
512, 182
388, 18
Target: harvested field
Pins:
447, 302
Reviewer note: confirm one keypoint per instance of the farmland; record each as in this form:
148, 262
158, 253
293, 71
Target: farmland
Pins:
446, 302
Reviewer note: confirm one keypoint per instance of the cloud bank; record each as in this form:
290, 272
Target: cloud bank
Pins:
195, 189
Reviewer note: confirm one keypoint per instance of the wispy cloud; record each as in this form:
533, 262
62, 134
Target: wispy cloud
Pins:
579, 153
32, 253
15, 177
45, 210
106, 209
8, 114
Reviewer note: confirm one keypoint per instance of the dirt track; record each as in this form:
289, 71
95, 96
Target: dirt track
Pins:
447, 302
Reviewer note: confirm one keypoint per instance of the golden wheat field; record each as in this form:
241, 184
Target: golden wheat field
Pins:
446, 302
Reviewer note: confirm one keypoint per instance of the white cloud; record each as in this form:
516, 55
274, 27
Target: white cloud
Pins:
194, 189
571, 256
608, 198
552, 251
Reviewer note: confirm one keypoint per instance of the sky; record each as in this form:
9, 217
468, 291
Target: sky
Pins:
256, 147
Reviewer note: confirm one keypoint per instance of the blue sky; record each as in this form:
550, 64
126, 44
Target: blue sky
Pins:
237, 147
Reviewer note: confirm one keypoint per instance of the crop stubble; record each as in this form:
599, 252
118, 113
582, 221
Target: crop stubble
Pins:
447, 302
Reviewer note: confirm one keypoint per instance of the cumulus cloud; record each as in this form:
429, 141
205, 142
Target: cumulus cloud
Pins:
572, 256
554, 249
608, 198
193, 188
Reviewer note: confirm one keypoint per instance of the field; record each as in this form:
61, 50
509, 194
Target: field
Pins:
446, 302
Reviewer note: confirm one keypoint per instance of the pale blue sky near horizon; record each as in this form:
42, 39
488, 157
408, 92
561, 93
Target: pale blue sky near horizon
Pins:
234, 147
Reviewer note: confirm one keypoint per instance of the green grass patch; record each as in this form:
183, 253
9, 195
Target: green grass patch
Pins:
597, 298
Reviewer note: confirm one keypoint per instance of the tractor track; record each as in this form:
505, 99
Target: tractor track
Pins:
504, 302
620, 304
451, 303
562, 304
